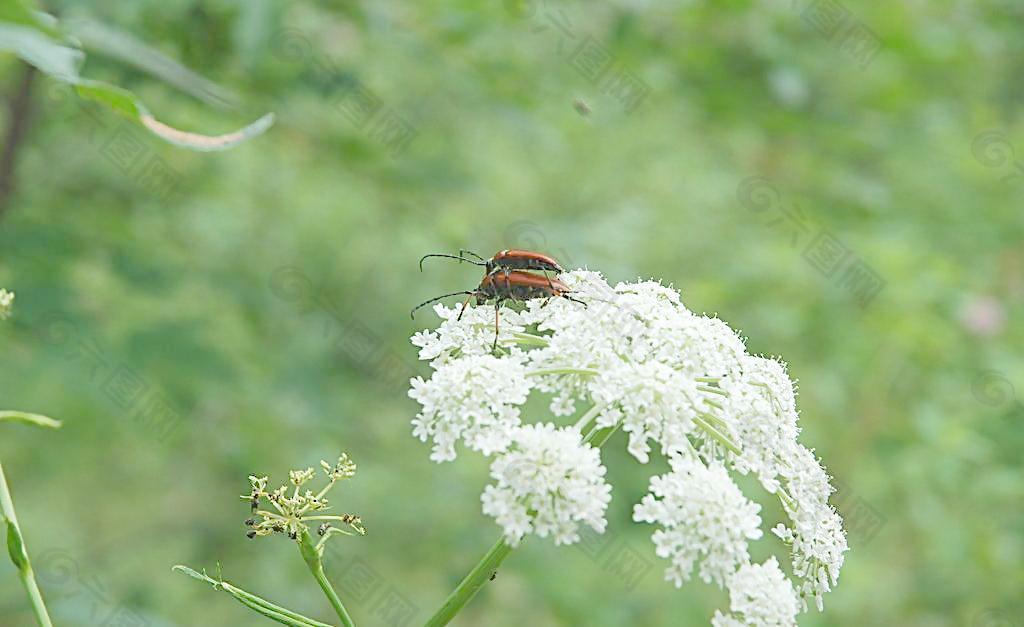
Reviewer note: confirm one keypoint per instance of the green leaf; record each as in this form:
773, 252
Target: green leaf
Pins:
29, 419
28, 14
16, 547
63, 63
36, 48
125, 103
126, 48
255, 603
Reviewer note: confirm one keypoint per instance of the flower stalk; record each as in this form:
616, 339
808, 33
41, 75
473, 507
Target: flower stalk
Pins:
313, 556
9, 518
486, 569
16, 549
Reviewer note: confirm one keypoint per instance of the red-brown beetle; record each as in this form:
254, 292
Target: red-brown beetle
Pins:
509, 285
507, 261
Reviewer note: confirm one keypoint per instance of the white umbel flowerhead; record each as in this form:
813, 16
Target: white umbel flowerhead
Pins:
703, 518
6, 302
759, 596
678, 385
475, 399
548, 483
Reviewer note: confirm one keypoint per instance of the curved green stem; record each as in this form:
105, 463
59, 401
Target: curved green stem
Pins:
314, 561
255, 603
471, 584
16, 549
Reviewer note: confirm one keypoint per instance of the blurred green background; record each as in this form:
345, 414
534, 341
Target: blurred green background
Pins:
854, 210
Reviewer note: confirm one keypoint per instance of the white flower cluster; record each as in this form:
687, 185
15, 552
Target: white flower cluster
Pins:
759, 596
682, 384
475, 399
6, 302
551, 473
703, 516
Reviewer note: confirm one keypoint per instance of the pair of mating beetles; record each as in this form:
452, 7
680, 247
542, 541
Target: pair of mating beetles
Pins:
507, 276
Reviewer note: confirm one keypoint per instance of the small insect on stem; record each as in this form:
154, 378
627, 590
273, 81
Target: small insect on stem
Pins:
512, 286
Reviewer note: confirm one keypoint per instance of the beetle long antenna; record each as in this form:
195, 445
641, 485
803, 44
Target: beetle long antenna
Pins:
412, 314
470, 252
477, 263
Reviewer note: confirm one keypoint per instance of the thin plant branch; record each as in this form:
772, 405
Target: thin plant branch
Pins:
19, 119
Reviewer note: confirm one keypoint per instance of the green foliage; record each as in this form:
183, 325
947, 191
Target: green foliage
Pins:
29, 419
253, 602
36, 39
16, 546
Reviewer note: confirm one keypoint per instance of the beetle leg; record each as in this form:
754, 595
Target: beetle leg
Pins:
575, 300
497, 305
546, 276
545, 303
464, 305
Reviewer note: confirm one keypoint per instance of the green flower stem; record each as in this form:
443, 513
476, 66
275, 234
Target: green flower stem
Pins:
787, 501
253, 602
713, 390
587, 371
530, 339
488, 564
16, 549
314, 560
597, 437
471, 584
586, 418
720, 437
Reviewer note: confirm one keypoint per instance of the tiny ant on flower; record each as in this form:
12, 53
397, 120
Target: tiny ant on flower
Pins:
514, 285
